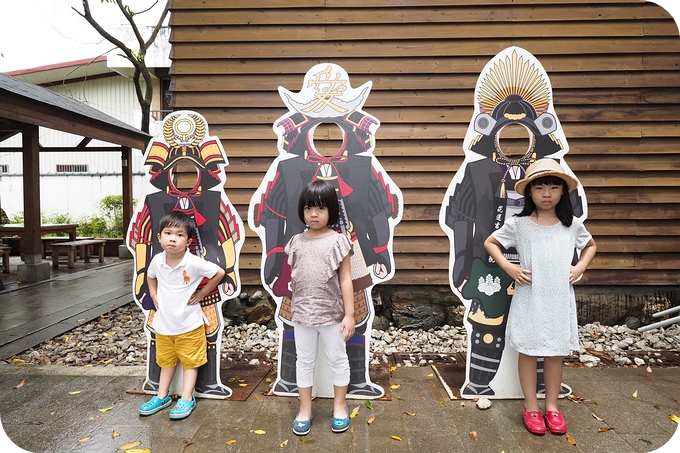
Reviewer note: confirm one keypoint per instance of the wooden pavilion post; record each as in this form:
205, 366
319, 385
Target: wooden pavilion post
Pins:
34, 269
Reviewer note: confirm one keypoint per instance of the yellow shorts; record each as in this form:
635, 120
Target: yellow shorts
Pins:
190, 348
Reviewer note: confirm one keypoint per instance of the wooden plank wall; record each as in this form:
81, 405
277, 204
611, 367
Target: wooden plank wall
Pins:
614, 67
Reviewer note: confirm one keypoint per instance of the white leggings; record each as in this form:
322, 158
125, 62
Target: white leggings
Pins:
334, 347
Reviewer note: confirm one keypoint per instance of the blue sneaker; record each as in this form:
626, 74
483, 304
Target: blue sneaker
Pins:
340, 425
302, 428
182, 409
154, 405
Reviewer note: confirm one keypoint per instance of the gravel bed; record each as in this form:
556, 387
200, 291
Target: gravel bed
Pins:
118, 338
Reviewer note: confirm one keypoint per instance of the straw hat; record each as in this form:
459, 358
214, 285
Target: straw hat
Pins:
545, 167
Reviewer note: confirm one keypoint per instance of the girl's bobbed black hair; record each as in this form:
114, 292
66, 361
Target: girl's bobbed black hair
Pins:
322, 194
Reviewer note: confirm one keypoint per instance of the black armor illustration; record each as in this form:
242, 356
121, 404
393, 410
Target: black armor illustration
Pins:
370, 207
512, 103
185, 172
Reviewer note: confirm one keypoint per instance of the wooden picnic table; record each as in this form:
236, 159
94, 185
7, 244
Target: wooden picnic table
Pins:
18, 229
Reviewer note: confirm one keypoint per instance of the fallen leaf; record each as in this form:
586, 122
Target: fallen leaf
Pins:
368, 404
138, 450
106, 409
635, 394
259, 431
231, 442
430, 375
355, 412
571, 440
84, 439
674, 417
474, 435
649, 369
114, 434
392, 368
441, 402
604, 430
395, 386
676, 400
371, 420
243, 385
129, 445
396, 438
412, 414
20, 384
82, 320
75, 392
185, 445
284, 443
268, 380
106, 362
596, 417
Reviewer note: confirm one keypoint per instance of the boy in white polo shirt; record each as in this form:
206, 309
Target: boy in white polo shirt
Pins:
173, 277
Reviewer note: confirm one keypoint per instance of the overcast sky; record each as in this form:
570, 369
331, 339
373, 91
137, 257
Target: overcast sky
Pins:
43, 32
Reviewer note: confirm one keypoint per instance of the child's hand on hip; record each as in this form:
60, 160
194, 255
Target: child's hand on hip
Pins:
195, 298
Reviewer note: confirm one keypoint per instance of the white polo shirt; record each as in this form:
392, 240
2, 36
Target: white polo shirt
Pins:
175, 287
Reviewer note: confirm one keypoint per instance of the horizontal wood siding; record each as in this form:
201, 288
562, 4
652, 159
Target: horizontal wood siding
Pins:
614, 67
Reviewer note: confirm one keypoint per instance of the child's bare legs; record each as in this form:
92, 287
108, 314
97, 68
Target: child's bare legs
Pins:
339, 401
188, 382
305, 412
527, 378
552, 375
164, 382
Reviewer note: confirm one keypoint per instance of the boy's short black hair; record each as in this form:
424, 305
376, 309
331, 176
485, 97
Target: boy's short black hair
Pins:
178, 220
319, 193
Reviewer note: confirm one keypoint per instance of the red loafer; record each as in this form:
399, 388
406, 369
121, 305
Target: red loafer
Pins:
555, 422
533, 421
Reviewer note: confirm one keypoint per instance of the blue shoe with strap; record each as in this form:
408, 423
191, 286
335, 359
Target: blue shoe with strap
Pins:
183, 408
155, 405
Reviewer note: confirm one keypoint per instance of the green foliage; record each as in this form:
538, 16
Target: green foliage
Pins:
107, 224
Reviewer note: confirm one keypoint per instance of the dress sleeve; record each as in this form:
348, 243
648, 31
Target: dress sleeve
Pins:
507, 234
341, 248
582, 235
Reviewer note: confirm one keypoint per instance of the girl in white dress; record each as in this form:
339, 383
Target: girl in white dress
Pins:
542, 318
323, 301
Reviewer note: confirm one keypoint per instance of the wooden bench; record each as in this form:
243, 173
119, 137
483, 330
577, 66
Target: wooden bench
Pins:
70, 247
5, 251
47, 242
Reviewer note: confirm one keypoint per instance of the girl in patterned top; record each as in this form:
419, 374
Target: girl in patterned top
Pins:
542, 317
322, 302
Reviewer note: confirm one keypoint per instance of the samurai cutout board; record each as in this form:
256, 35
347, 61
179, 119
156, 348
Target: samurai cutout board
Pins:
186, 174
513, 125
370, 207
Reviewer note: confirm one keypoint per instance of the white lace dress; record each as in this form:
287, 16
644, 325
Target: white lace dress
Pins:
542, 319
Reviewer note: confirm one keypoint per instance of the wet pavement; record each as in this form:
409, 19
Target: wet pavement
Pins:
90, 409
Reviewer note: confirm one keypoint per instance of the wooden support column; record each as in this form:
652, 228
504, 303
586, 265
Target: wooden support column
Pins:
34, 268
126, 169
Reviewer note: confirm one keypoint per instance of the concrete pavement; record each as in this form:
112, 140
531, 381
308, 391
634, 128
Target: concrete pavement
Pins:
45, 414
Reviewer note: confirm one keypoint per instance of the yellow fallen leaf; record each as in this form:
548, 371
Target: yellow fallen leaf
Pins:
75, 392
268, 380
396, 438
395, 386
231, 442
635, 394
412, 414
138, 450
355, 412
106, 362
82, 320
570, 439
19, 361
674, 417
596, 417
129, 445
430, 375
114, 434
284, 443
474, 435
393, 368
106, 409
84, 439
66, 339
260, 431
20, 384
243, 385
371, 420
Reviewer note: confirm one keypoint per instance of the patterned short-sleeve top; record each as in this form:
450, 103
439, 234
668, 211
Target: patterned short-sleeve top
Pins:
314, 262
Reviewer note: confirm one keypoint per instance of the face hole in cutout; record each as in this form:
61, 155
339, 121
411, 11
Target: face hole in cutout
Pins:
515, 140
184, 176
327, 139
